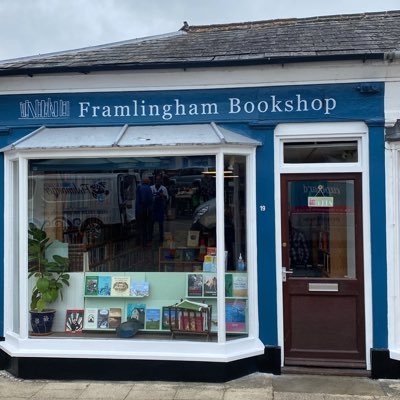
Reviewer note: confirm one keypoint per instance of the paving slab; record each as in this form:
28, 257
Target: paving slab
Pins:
349, 397
199, 393
386, 397
61, 385
298, 396
391, 387
24, 389
256, 380
50, 394
152, 393
157, 385
247, 393
106, 391
327, 384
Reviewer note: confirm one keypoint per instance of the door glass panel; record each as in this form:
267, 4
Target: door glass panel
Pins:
320, 152
321, 228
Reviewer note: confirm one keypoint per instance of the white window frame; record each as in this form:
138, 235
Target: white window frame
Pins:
392, 160
329, 132
19, 344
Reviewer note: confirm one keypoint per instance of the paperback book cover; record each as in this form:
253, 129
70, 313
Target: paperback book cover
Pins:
165, 318
74, 321
120, 286
153, 317
235, 315
104, 285
214, 319
140, 289
91, 285
193, 238
136, 311
114, 318
188, 254
210, 285
210, 263
239, 285
190, 322
102, 318
228, 285
90, 319
195, 285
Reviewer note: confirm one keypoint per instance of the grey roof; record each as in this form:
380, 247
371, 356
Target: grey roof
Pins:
130, 136
369, 35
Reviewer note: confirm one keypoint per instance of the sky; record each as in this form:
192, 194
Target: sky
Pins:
30, 27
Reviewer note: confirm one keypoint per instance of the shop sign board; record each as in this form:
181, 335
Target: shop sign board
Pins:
318, 102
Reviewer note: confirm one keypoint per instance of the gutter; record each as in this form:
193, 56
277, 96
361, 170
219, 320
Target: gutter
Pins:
197, 64
392, 56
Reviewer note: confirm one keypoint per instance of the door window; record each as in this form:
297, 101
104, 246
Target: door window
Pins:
321, 228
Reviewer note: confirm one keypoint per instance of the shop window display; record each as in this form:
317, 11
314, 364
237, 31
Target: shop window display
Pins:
140, 233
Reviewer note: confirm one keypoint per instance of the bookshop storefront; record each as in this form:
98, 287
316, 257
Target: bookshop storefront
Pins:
206, 227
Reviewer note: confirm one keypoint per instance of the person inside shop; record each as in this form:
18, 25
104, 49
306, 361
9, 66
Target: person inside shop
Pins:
144, 212
160, 199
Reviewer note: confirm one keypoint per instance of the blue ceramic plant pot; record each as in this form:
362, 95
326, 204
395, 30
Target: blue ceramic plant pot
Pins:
42, 321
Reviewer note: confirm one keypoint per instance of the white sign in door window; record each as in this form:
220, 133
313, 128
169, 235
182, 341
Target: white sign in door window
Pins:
314, 201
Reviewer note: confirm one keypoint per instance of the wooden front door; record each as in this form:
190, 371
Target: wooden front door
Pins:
323, 290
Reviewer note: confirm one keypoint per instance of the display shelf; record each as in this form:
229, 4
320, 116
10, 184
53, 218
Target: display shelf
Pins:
165, 290
205, 285
180, 259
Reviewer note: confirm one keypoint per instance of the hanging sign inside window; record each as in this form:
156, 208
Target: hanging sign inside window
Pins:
319, 201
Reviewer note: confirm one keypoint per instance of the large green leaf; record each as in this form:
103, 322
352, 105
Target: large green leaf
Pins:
42, 284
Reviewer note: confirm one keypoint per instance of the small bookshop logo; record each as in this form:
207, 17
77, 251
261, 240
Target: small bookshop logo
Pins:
44, 109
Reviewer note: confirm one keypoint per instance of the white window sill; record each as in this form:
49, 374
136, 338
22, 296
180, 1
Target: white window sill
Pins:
172, 350
395, 354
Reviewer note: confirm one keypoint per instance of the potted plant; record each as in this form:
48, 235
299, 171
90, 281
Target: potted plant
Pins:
50, 278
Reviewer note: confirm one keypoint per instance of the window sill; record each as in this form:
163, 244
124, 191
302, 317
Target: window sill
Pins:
131, 349
395, 354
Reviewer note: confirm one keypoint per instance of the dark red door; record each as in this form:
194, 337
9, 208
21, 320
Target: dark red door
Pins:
322, 255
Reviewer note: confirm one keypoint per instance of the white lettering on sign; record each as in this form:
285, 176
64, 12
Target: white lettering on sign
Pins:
298, 104
140, 108
320, 201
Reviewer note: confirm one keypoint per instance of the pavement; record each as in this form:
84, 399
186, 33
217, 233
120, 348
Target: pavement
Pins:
256, 386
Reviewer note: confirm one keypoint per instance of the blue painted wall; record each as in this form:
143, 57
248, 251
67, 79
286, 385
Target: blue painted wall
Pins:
378, 236
251, 111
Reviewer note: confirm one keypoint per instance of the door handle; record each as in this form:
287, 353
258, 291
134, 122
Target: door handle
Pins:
285, 272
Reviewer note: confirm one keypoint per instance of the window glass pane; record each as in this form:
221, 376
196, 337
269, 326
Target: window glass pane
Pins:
236, 283
139, 234
118, 214
322, 228
320, 152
